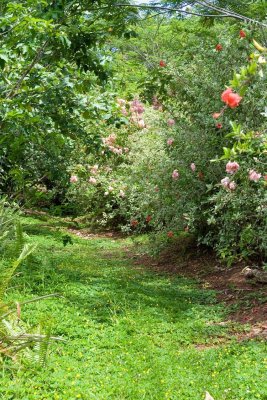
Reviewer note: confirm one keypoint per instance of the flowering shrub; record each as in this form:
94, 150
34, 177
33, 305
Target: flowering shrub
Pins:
155, 174
238, 214
98, 187
170, 176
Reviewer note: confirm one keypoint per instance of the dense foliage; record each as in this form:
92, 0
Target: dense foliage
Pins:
53, 71
146, 118
172, 179
124, 125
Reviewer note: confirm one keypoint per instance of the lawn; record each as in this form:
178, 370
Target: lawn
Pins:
129, 333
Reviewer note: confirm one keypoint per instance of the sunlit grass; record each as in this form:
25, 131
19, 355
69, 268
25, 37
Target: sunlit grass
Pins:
130, 333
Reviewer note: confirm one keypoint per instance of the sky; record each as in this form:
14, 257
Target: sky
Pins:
141, 1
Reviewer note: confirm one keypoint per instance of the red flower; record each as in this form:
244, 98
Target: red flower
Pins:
230, 98
148, 218
216, 115
242, 34
170, 234
201, 175
134, 223
162, 63
225, 94
219, 126
218, 47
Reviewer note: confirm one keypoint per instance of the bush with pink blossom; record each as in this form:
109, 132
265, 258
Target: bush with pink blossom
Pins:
237, 217
170, 173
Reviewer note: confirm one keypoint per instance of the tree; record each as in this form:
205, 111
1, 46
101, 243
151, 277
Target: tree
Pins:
52, 59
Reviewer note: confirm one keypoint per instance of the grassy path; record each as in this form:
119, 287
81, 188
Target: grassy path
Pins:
130, 334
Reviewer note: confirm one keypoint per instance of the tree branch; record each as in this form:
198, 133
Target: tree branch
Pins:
228, 13
166, 9
224, 13
37, 57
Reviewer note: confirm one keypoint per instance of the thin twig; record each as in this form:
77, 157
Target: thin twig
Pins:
225, 12
229, 13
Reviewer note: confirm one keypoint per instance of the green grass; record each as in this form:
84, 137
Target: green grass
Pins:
130, 333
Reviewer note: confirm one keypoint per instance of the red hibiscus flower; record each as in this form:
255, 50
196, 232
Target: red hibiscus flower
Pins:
230, 98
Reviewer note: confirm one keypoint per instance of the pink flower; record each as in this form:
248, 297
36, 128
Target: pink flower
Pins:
92, 180
170, 141
254, 175
232, 167
170, 122
117, 151
193, 167
175, 174
232, 185
218, 126
121, 102
137, 107
73, 179
110, 139
141, 124
124, 111
230, 98
94, 169
140, 109
225, 182
228, 184
216, 115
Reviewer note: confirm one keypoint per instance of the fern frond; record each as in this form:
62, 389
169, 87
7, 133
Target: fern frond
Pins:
20, 241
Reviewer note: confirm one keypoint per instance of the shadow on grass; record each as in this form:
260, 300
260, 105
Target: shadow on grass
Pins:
100, 288
111, 289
